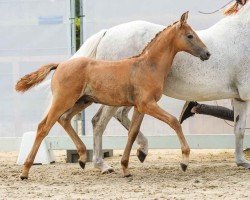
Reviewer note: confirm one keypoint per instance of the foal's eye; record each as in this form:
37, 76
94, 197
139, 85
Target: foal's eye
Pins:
190, 36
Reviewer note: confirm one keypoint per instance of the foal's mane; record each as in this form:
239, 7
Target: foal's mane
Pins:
153, 40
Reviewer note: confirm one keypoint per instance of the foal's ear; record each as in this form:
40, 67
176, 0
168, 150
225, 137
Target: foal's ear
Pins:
184, 18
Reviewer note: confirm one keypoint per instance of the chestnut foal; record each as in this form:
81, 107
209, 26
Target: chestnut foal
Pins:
136, 81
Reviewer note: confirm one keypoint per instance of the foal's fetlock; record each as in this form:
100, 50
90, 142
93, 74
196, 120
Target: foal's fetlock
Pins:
185, 158
24, 174
124, 164
25, 170
126, 172
141, 155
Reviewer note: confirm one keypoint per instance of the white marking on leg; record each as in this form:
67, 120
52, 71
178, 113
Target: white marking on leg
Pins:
99, 122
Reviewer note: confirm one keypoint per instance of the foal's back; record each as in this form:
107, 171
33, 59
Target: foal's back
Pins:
107, 82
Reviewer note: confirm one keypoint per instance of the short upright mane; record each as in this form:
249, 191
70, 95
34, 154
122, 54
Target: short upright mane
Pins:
152, 41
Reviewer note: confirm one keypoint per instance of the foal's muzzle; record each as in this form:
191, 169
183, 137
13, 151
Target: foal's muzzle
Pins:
205, 55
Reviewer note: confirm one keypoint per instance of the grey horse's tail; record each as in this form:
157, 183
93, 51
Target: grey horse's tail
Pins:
88, 49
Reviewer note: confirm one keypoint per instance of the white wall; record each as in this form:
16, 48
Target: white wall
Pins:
32, 33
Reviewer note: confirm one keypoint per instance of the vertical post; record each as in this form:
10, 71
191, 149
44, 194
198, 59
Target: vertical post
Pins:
83, 20
82, 15
73, 26
81, 42
73, 44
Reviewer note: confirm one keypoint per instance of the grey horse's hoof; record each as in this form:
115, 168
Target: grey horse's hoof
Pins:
141, 155
245, 165
108, 171
183, 167
82, 164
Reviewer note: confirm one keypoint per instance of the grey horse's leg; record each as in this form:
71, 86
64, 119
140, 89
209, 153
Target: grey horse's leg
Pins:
122, 116
240, 114
99, 122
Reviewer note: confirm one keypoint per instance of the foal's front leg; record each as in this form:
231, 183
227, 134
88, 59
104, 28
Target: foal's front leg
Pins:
122, 116
151, 108
133, 132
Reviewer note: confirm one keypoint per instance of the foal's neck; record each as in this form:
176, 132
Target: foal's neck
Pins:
161, 52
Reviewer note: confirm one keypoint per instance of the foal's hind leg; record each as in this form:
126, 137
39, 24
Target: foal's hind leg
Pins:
99, 122
240, 112
122, 116
151, 108
65, 121
56, 110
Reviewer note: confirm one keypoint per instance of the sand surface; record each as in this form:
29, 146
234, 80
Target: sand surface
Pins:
212, 174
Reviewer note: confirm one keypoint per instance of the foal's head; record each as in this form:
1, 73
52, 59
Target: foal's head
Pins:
187, 40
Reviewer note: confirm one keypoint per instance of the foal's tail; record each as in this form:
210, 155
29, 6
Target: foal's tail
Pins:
34, 78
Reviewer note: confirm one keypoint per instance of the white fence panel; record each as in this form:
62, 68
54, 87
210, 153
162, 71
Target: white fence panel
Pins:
32, 33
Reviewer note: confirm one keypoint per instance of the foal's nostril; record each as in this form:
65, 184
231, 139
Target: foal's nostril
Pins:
208, 54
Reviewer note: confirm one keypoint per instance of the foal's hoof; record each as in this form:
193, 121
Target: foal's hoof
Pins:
82, 164
183, 167
127, 175
22, 177
141, 155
